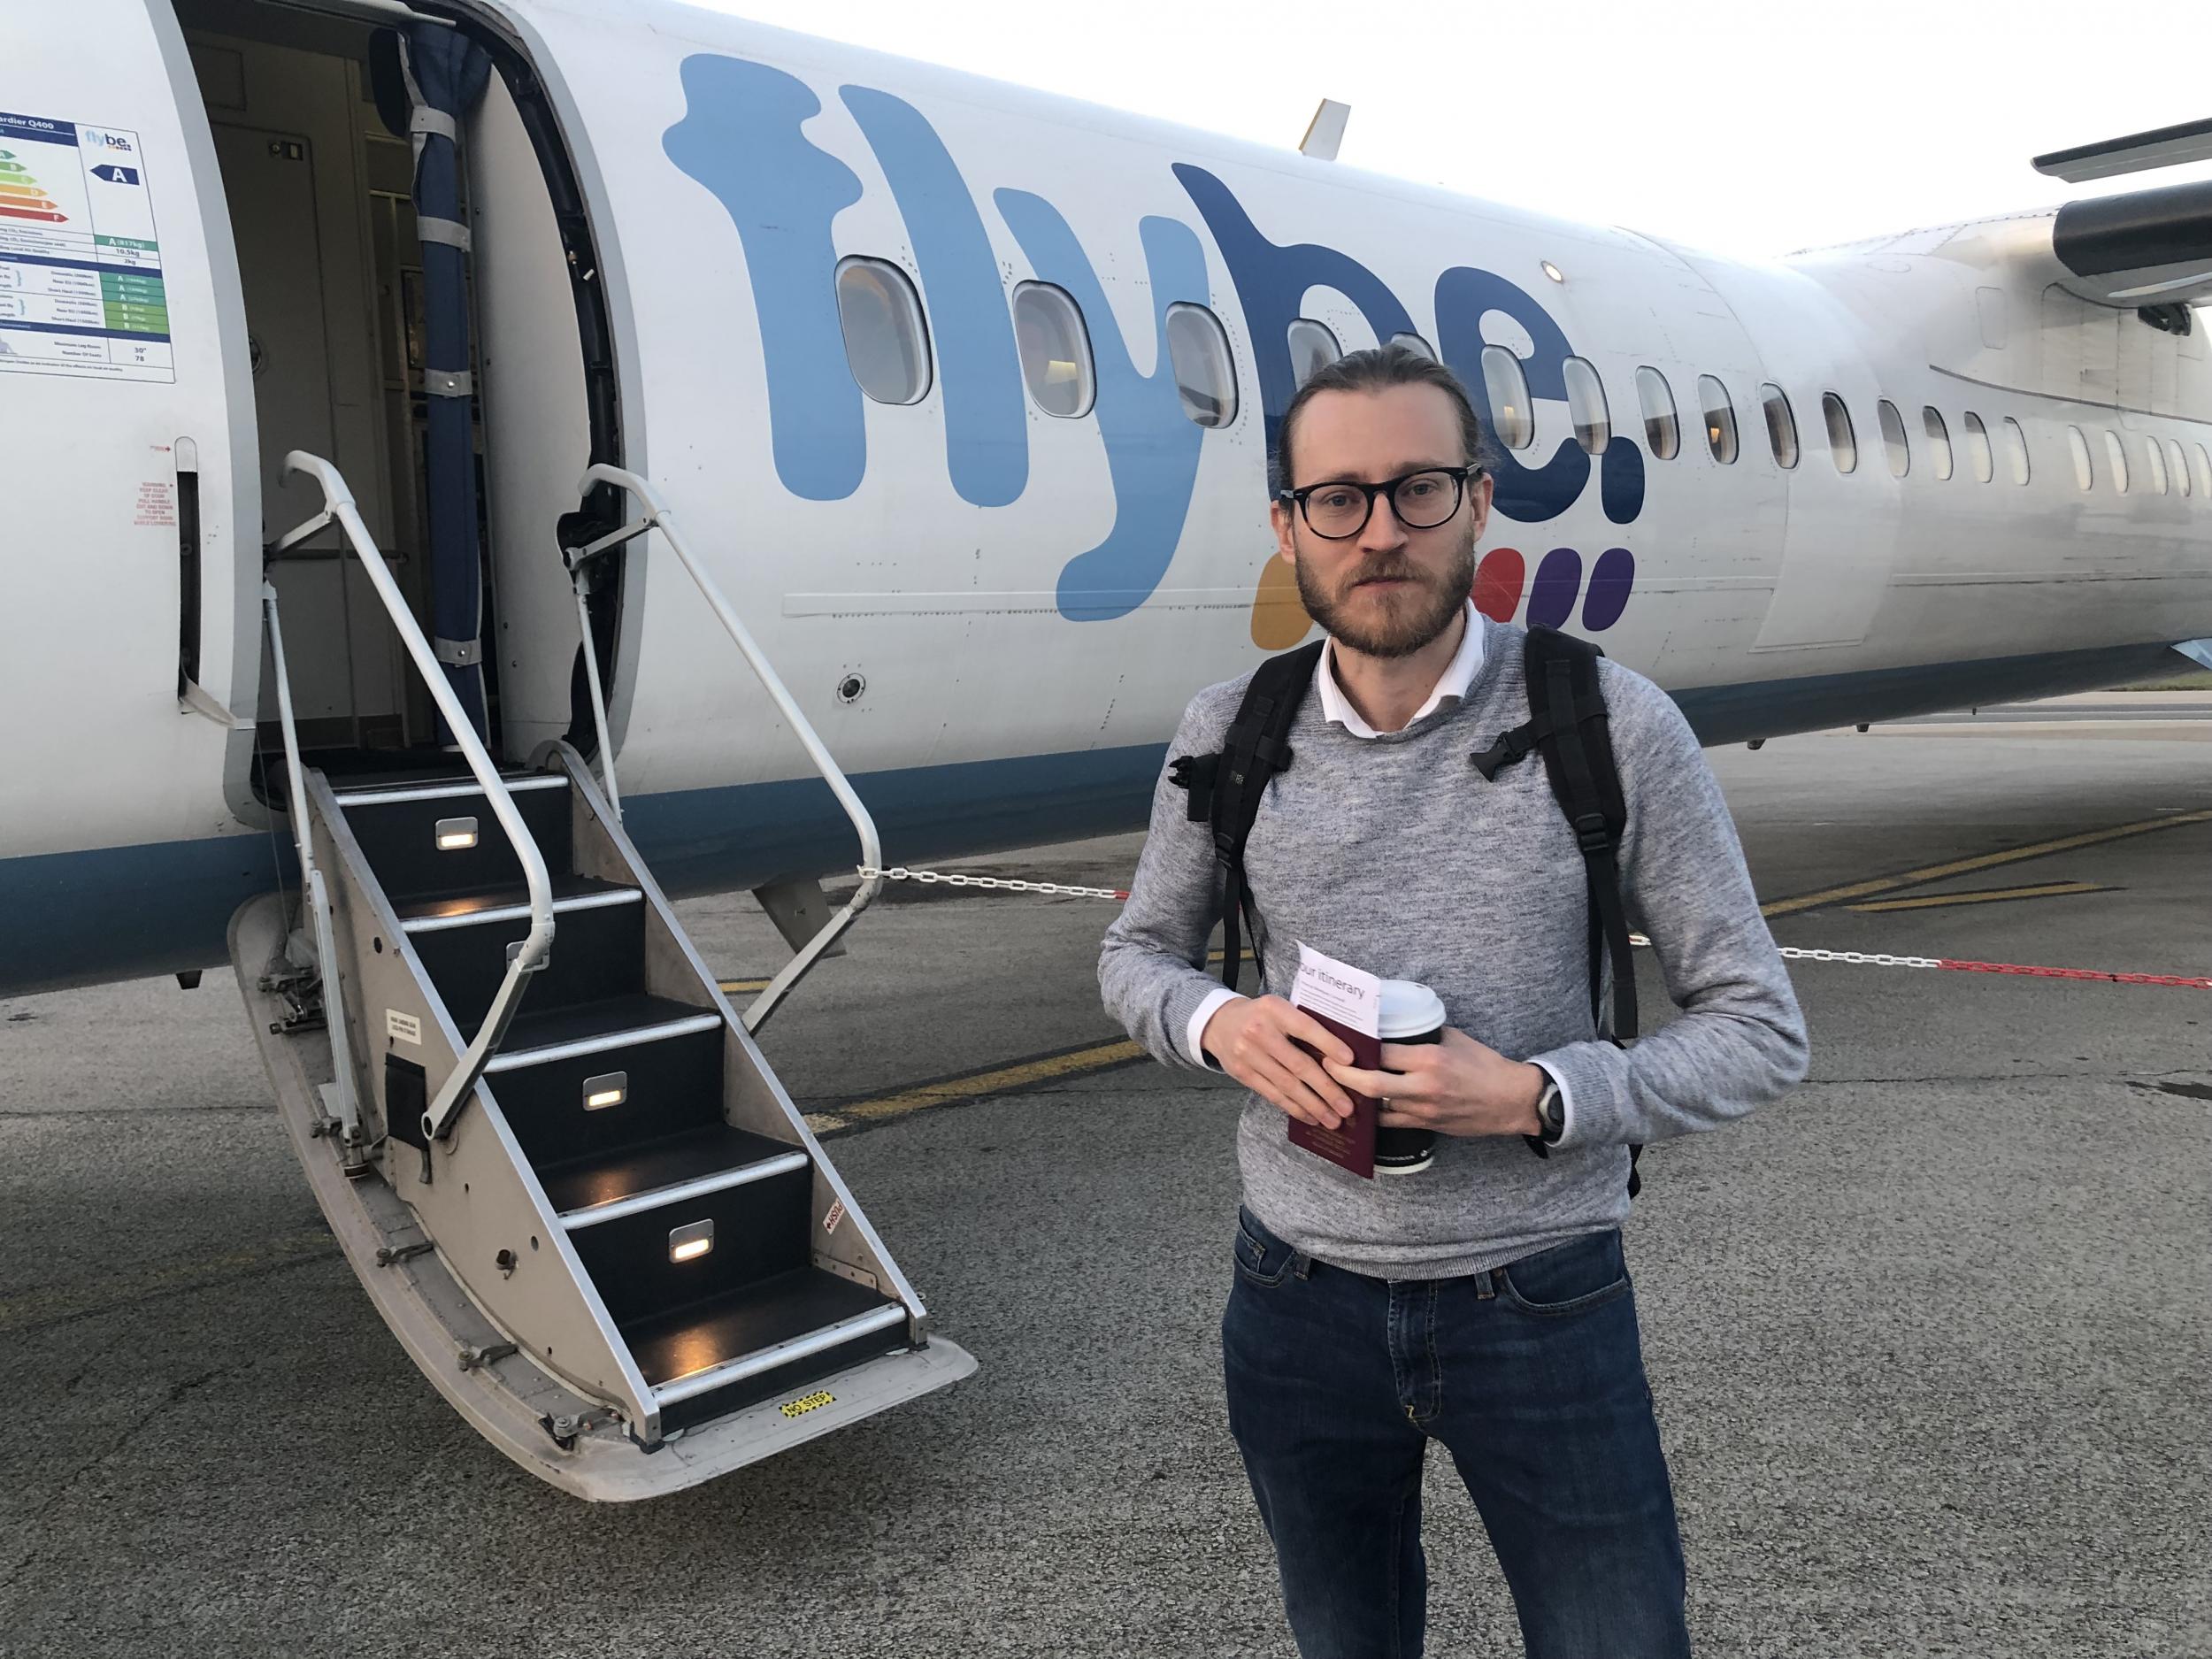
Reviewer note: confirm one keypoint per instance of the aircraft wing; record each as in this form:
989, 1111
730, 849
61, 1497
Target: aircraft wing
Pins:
2152, 249
2161, 147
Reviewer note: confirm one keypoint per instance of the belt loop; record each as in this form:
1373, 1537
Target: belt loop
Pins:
1302, 1264
1486, 1283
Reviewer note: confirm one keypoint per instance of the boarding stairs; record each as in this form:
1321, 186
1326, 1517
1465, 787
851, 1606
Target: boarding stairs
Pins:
547, 1143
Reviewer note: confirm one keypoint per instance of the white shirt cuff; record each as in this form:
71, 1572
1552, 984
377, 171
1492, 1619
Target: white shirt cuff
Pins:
1566, 1103
1205, 1011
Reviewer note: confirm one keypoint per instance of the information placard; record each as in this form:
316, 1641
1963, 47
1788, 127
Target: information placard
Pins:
81, 291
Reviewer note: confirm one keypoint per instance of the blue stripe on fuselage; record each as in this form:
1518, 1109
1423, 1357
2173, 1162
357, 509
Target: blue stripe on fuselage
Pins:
123, 912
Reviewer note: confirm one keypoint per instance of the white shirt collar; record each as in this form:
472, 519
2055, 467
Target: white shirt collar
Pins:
1451, 685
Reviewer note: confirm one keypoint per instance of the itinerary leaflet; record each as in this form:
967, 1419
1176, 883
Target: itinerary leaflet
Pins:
1349, 1002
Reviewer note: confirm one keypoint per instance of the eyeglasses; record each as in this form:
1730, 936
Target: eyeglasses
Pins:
1340, 508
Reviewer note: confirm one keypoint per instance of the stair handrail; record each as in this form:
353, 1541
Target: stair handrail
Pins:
658, 515
313, 895
339, 508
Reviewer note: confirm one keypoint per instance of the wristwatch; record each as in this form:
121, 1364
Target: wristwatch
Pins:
1550, 1112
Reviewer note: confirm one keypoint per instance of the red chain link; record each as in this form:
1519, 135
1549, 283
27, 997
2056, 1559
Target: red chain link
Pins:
2182, 980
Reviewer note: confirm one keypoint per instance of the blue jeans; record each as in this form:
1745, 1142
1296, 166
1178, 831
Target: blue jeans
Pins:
1532, 1376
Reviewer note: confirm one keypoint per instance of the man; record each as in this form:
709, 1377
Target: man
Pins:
1483, 1302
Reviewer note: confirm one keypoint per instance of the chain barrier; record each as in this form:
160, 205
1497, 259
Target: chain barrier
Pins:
1794, 953
1002, 883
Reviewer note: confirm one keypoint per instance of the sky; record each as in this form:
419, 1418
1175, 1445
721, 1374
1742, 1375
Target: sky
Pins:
1741, 129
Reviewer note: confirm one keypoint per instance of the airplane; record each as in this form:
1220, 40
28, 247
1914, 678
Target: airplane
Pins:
513, 461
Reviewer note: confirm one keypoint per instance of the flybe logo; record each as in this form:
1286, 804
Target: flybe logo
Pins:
741, 138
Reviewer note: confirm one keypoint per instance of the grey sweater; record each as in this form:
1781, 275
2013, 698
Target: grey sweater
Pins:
1393, 854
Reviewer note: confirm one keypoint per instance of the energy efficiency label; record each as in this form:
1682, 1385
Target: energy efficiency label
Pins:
80, 287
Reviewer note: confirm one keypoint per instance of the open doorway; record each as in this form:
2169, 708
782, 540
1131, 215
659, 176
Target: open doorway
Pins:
309, 113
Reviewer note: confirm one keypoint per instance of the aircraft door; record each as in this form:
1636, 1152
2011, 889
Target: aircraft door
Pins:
124, 396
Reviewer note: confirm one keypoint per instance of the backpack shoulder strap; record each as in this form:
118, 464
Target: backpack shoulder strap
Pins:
1569, 725
1226, 789
1563, 696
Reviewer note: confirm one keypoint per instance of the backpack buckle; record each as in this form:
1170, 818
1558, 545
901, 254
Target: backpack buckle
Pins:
1591, 834
1195, 773
1511, 746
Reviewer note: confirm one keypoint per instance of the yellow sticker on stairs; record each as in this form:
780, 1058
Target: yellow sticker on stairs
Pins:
811, 1403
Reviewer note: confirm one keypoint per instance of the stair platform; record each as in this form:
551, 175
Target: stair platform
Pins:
706, 1359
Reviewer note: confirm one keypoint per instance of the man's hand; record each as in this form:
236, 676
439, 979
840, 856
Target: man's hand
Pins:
1251, 1037
1457, 1087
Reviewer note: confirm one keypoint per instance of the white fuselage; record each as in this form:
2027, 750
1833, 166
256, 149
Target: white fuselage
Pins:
992, 613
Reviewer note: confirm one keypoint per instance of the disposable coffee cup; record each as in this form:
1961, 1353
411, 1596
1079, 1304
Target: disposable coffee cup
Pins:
1409, 1012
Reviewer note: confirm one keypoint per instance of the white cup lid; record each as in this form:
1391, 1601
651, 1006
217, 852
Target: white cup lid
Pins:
1408, 1008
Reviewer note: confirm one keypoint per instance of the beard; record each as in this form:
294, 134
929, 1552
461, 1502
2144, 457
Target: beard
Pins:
1393, 621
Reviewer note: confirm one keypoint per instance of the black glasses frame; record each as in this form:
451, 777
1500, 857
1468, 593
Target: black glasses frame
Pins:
1459, 475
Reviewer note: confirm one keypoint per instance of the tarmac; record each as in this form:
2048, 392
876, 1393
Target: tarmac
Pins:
1930, 1340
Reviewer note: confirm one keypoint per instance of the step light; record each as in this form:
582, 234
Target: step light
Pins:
610, 1089
689, 1242
455, 834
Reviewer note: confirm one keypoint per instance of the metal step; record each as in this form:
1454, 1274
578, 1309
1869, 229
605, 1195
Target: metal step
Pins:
444, 841
537, 1037
381, 795
673, 1170
774, 1337
665, 1087
508, 904
649, 1264
598, 957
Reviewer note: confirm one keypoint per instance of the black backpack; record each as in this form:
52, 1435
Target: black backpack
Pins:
1567, 725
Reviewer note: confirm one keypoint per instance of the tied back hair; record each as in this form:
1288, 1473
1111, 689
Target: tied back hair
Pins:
1376, 370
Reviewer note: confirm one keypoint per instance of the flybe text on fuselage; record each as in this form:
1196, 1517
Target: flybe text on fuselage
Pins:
742, 137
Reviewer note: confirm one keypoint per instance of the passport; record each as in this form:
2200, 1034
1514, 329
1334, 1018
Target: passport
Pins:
1351, 1146
1349, 1002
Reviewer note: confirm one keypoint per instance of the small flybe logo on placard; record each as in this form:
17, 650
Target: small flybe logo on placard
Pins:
94, 136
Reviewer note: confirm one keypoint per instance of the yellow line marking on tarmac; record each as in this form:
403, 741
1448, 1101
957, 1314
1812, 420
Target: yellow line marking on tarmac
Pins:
1982, 896
1001, 1080
1965, 866
742, 984
52, 1306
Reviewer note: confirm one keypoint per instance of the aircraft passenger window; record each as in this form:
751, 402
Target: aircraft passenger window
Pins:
1978, 449
1781, 424
1508, 387
2085, 475
2117, 458
1205, 374
1894, 437
1939, 441
1312, 349
2156, 456
1055, 348
1842, 443
1415, 345
2016, 449
1720, 418
887, 342
2177, 465
1661, 430
1586, 406
2204, 469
